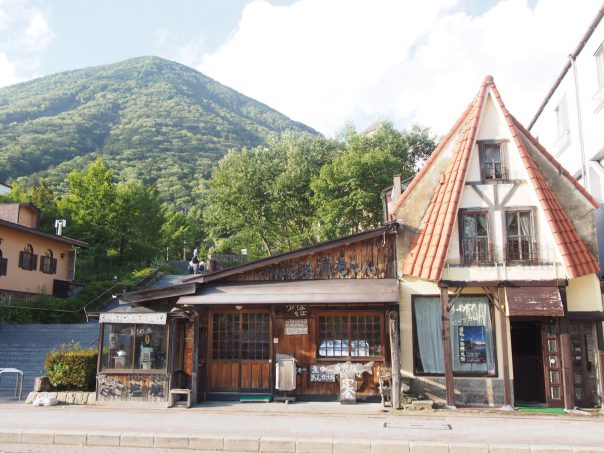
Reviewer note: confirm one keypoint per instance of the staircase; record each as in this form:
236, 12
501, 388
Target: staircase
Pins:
24, 346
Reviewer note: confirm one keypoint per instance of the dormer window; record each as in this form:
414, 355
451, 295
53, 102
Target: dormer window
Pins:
492, 166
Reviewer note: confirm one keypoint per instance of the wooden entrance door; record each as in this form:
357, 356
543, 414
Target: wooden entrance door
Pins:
240, 351
584, 363
552, 363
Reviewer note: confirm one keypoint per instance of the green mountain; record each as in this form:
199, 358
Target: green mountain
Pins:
147, 117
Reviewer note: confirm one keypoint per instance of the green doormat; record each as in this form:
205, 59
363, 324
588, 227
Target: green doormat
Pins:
542, 410
255, 399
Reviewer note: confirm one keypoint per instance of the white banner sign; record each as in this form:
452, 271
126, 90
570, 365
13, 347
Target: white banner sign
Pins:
133, 318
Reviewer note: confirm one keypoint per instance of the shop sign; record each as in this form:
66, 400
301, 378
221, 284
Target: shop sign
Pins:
472, 344
133, 318
320, 373
296, 327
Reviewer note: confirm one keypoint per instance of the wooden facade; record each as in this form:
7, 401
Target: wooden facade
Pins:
239, 345
227, 330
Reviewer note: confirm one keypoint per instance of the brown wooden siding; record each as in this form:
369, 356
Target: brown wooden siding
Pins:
371, 258
133, 387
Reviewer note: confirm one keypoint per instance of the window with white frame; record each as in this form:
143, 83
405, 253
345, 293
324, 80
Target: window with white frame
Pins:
562, 117
600, 64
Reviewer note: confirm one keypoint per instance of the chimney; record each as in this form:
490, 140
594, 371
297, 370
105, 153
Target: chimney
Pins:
59, 225
396, 188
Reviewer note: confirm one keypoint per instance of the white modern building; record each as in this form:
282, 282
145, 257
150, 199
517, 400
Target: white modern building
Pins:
570, 121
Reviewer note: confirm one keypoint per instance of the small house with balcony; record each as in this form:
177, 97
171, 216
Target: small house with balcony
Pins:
500, 293
34, 262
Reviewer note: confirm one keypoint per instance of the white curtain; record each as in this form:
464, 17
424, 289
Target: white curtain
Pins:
428, 324
472, 311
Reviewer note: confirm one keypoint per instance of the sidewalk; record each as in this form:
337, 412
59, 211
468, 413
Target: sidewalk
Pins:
300, 427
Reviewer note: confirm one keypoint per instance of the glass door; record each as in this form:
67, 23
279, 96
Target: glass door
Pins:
584, 363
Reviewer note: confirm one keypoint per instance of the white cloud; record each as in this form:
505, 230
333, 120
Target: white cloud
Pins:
8, 71
324, 63
24, 33
38, 34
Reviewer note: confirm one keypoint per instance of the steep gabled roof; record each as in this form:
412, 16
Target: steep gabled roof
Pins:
429, 246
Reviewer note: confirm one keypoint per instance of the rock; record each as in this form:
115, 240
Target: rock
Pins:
31, 397
42, 384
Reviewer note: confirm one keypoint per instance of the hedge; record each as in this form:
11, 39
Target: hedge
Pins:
72, 367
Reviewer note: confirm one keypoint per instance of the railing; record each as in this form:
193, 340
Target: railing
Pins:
494, 170
477, 251
521, 250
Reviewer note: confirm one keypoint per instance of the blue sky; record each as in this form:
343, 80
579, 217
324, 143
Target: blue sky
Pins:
323, 62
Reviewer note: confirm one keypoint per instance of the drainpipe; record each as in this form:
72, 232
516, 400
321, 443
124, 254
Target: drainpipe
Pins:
584, 172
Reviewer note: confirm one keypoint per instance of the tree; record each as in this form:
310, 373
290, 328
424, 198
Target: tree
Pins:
138, 220
259, 198
347, 191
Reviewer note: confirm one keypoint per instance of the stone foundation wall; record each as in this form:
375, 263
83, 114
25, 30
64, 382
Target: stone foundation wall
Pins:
80, 398
485, 392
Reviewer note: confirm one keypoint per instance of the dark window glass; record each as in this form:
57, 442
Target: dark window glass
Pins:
475, 245
520, 246
491, 162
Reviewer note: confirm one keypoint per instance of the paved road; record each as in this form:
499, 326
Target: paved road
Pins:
316, 420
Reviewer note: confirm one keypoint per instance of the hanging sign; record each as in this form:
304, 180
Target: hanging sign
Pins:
133, 318
472, 344
296, 327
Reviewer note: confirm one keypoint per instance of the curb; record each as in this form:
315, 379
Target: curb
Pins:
271, 444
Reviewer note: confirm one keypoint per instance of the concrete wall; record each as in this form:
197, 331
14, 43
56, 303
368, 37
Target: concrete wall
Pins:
34, 281
566, 149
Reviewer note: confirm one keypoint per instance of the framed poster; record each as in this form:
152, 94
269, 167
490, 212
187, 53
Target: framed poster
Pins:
472, 344
296, 327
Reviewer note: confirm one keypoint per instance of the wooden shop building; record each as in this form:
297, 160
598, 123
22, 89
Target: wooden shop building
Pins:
221, 335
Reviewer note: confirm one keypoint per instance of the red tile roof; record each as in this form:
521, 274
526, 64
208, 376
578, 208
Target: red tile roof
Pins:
429, 247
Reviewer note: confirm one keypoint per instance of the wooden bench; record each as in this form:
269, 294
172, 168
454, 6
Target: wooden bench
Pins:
174, 392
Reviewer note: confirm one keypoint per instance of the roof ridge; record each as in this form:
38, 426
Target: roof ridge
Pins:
568, 238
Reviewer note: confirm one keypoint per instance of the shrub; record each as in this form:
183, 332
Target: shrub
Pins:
72, 367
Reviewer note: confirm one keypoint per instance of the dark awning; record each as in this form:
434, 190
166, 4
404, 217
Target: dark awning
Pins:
341, 291
534, 301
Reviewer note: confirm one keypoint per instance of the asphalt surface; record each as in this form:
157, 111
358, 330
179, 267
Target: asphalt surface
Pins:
312, 420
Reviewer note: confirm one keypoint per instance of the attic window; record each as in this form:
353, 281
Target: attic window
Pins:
492, 166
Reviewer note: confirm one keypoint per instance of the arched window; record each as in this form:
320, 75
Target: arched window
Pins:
3, 264
48, 264
27, 259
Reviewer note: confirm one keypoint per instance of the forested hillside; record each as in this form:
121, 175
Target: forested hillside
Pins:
148, 118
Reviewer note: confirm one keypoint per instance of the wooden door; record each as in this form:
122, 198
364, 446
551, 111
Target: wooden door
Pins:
240, 351
552, 363
584, 363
